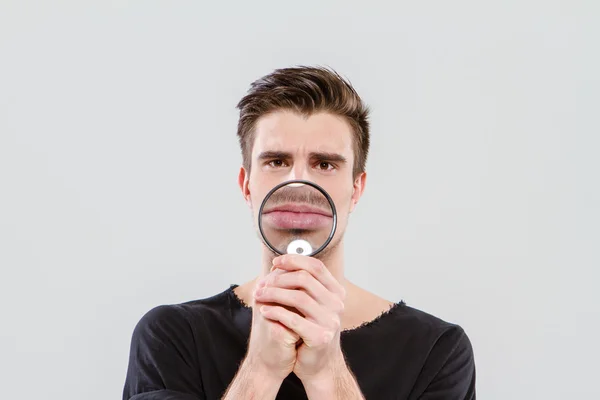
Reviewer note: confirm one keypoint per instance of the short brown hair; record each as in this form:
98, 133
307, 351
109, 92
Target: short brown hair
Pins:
304, 90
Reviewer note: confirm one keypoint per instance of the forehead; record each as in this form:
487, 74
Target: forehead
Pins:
289, 131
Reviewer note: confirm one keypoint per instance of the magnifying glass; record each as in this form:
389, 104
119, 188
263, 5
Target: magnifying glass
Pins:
297, 217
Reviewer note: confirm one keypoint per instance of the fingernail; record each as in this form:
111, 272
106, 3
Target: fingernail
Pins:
264, 309
260, 291
261, 284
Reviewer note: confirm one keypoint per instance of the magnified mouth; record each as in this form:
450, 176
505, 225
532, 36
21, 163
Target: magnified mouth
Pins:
297, 216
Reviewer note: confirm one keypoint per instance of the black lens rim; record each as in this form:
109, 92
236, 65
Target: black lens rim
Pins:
320, 189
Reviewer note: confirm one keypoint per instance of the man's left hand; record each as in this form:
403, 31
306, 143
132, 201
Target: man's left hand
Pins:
320, 300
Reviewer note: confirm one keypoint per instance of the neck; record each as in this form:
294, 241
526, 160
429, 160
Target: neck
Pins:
332, 258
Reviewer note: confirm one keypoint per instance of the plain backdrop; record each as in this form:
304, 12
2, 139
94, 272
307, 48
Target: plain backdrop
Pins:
119, 159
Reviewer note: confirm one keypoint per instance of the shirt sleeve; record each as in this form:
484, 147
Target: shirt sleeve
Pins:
451, 365
163, 361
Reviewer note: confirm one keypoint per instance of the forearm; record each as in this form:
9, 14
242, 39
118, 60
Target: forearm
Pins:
341, 385
250, 383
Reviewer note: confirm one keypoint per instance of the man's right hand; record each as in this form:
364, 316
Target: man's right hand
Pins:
272, 346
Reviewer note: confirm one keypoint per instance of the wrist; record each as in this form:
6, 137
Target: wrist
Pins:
336, 383
259, 372
323, 384
320, 388
253, 382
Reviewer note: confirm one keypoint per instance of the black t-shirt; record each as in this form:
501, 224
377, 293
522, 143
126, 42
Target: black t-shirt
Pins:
192, 351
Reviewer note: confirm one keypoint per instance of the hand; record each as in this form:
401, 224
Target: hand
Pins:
320, 302
272, 346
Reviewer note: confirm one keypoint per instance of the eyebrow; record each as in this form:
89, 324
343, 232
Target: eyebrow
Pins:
315, 155
266, 155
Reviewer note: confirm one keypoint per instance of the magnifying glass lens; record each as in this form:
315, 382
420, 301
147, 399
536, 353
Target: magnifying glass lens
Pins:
296, 219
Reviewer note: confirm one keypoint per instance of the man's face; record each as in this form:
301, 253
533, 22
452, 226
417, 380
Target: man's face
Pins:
319, 149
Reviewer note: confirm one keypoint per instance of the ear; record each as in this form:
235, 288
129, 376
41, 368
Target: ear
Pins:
358, 189
244, 183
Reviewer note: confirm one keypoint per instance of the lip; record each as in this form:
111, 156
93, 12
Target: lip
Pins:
298, 208
297, 216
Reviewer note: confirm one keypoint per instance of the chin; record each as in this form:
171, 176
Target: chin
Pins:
331, 247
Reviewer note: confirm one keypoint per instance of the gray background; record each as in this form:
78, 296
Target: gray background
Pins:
118, 166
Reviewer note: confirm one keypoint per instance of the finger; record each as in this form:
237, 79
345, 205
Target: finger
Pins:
288, 336
303, 280
262, 281
292, 262
298, 299
312, 334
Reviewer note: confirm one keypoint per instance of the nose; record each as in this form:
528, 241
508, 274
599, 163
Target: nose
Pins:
299, 171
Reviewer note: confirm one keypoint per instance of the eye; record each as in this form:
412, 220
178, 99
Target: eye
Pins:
326, 166
276, 163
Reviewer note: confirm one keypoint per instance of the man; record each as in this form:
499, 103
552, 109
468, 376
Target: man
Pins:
300, 329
